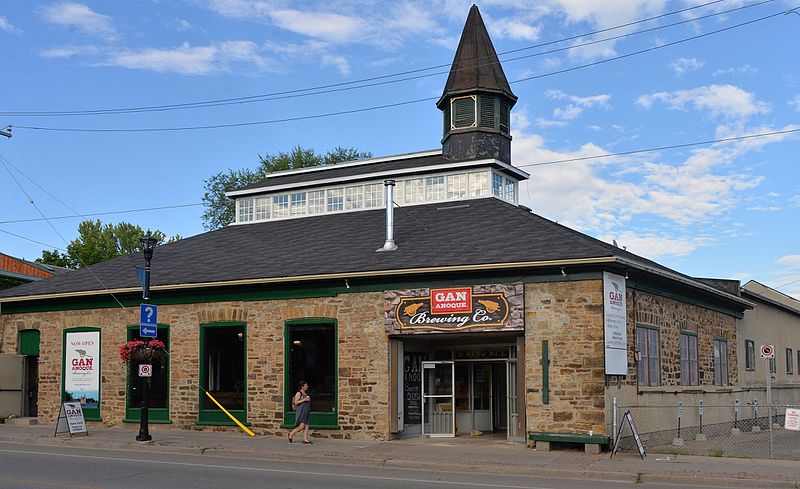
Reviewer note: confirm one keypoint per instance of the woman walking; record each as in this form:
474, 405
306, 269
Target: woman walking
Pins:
302, 408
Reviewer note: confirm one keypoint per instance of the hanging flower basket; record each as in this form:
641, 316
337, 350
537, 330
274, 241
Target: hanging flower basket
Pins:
142, 351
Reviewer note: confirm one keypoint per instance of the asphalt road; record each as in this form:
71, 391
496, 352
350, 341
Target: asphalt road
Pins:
25, 466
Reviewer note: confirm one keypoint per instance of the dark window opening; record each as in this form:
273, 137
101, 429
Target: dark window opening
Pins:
312, 358
750, 355
223, 375
158, 395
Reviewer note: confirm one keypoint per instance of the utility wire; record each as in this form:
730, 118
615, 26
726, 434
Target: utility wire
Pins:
32, 240
660, 148
30, 200
267, 96
543, 163
106, 213
396, 104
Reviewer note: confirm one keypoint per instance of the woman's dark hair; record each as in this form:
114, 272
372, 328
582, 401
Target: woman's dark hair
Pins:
301, 384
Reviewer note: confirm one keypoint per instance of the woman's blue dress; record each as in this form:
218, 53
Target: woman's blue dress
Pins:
303, 410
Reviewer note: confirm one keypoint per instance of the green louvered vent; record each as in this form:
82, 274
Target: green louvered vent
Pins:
463, 112
446, 114
488, 112
505, 116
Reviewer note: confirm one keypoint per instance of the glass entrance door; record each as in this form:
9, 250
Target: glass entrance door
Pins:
513, 433
438, 399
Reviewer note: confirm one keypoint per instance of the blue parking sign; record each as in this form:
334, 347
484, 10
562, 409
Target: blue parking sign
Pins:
148, 320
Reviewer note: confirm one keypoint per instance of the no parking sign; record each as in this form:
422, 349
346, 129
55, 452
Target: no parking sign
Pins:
767, 351
145, 370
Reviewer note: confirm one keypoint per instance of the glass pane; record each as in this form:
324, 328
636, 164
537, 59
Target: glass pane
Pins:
223, 367
497, 185
335, 199
438, 379
456, 186
641, 347
157, 395
312, 358
280, 206
513, 415
298, 204
414, 191
652, 350
481, 396
316, 202
434, 188
478, 184
462, 386
354, 197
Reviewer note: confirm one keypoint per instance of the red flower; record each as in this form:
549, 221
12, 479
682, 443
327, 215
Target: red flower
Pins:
127, 349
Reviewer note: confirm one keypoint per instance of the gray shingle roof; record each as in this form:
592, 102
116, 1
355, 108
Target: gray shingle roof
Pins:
481, 231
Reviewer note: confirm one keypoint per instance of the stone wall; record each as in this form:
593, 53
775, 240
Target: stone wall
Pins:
671, 317
363, 358
570, 316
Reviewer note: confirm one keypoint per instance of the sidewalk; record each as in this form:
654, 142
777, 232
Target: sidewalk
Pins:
455, 454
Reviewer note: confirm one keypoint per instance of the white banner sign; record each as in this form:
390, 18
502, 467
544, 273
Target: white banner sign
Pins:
792, 419
615, 321
82, 368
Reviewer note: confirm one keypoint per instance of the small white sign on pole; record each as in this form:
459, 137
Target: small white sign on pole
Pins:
145, 370
767, 351
792, 419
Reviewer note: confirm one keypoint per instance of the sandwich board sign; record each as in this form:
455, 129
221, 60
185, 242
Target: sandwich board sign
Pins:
70, 419
629, 418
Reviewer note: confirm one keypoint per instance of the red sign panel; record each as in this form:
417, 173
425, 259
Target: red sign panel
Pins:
444, 301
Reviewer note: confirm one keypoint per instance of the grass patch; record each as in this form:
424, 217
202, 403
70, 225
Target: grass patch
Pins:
716, 452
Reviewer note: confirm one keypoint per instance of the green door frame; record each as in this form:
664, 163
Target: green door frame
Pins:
155, 415
318, 420
214, 416
90, 414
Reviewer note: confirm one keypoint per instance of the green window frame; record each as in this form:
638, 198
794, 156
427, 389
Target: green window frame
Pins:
89, 414
317, 419
208, 413
156, 415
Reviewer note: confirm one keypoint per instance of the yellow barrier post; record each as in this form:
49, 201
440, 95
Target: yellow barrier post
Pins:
243, 427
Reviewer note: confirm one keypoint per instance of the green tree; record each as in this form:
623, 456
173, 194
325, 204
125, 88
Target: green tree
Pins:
97, 242
220, 210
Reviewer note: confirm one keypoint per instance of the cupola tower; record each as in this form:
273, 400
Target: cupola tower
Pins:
477, 100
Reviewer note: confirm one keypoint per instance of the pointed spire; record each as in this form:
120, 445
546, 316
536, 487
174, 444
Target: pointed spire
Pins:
476, 66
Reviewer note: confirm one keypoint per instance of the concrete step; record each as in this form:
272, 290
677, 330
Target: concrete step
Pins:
22, 421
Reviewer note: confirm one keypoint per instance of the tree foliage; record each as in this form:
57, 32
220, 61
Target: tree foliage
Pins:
97, 242
220, 210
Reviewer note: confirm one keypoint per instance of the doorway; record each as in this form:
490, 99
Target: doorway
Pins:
463, 390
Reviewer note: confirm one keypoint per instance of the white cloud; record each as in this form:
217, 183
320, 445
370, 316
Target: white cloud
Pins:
795, 102
764, 208
199, 60
652, 245
791, 261
183, 24
513, 28
738, 70
340, 62
795, 201
550, 123
577, 105
319, 25
76, 15
5, 25
70, 51
720, 100
682, 66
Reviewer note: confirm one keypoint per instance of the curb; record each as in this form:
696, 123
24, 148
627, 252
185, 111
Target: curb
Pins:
745, 480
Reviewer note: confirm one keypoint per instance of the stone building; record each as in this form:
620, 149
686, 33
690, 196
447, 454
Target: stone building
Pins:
449, 311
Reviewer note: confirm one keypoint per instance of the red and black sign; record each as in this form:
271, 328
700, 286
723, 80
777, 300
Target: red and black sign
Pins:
454, 309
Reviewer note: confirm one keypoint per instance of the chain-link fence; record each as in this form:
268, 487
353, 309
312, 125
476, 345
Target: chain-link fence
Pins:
738, 430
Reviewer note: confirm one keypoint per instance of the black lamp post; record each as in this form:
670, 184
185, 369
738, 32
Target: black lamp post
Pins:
148, 243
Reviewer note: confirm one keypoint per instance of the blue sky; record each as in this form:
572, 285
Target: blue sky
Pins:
724, 210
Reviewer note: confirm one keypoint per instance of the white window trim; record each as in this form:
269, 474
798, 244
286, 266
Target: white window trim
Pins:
489, 172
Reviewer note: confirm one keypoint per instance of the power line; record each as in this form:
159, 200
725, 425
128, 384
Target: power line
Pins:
542, 163
106, 213
660, 148
32, 240
345, 86
30, 200
396, 104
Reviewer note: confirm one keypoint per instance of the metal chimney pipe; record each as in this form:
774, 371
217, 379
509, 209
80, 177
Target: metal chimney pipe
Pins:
389, 245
